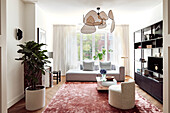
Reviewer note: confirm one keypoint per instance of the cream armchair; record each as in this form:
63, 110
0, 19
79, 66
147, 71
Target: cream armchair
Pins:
122, 96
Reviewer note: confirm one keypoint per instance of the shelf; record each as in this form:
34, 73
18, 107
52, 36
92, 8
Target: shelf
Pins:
145, 78
138, 73
153, 39
151, 70
137, 43
157, 79
155, 57
137, 61
152, 48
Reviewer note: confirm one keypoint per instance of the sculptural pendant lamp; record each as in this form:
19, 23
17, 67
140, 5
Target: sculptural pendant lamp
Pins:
93, 19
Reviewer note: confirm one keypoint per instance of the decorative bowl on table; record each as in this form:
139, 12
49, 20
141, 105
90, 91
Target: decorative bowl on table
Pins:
110, 78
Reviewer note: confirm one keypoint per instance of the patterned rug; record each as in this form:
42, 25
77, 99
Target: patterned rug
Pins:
82, 97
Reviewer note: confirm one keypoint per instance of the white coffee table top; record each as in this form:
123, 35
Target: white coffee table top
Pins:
104, 83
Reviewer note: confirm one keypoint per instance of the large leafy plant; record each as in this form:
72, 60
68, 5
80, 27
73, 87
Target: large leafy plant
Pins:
34, 59
101, 54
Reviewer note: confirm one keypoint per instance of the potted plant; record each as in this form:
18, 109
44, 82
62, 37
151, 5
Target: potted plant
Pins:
34, 60
101, 54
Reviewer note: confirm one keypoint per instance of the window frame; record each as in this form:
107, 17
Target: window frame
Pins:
107, 34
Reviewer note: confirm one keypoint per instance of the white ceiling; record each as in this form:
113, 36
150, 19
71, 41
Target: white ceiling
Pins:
76, 8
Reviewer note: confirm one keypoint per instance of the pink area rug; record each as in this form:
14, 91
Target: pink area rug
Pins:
82, 97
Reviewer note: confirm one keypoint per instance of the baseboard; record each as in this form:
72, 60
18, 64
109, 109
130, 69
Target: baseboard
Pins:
15, 100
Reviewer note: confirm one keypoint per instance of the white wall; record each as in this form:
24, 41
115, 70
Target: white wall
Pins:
41, 18
43, 22
27, 17
19, 15
30, 22
15, 19
139, 21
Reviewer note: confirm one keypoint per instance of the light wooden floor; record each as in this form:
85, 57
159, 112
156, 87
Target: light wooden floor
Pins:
50, 92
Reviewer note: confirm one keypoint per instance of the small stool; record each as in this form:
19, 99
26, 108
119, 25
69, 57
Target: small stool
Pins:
55, 72
58, 76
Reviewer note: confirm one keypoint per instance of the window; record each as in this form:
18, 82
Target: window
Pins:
87, 46
90, 44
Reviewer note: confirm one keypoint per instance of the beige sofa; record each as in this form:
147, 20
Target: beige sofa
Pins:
75, 75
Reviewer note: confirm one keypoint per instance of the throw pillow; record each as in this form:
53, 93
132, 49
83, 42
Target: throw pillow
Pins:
113, 67
105, 65
88, 66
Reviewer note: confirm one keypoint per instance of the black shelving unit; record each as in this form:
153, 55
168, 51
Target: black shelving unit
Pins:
148, 59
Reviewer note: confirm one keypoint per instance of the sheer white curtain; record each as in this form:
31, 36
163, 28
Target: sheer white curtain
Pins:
121, 46
64, 48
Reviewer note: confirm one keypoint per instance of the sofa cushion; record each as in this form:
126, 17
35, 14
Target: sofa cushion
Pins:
96, 67
105, 65
88, 66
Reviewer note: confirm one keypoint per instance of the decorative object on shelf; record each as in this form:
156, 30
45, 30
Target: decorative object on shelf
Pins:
145, 37
101, 54
139, 47
148, 46
156, 68
157, 54
154, 43
146, 73
158, 30
19, 34
34, 60
138, 70
149, 36
103, 73
142, 60
93, 19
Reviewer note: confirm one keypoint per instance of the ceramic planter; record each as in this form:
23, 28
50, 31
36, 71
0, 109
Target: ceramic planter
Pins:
35, 99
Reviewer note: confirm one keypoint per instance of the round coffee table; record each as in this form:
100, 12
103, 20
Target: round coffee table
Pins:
103, 84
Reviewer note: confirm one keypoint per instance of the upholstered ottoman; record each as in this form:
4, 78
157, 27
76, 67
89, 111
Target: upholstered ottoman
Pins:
122, 96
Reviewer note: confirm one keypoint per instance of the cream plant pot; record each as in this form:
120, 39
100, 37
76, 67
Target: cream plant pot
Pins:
35, 99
